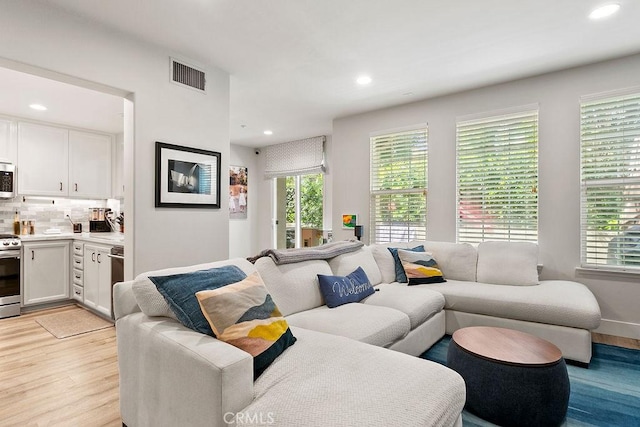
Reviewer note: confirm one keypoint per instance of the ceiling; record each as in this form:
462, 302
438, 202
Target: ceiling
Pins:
293, 63
66, 104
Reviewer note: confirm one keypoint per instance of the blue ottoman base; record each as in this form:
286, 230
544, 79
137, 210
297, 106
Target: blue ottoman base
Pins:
510, 394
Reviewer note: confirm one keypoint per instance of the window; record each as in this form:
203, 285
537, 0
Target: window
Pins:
610, 181
399, 186
497, 166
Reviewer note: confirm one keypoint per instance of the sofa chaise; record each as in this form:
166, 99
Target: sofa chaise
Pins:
341, 370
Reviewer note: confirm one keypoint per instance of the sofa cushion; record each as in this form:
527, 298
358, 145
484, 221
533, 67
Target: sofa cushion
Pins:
294, 287
420, 267
179, 290
326, 380
456, 260
346, 263
417, 302
381, 326
152, 303
244, 315
508, 263
385, 260
553, 302
338, 290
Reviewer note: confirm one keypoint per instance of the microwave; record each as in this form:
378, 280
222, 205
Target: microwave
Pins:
7, 180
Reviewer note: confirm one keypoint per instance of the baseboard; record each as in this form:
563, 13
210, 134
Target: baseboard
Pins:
619, 329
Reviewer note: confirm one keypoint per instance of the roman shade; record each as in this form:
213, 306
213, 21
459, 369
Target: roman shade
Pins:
302, 157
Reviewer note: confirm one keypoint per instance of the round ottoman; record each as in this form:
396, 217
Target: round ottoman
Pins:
512, 378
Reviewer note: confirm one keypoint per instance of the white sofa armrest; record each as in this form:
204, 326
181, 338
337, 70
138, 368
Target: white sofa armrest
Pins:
171, 375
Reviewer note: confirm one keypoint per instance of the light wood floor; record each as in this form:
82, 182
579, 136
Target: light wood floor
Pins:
617, 341
57, 382
74, 381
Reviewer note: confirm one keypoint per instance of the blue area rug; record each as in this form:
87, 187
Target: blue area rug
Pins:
606, 394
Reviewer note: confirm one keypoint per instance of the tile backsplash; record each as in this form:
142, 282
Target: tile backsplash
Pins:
51, 212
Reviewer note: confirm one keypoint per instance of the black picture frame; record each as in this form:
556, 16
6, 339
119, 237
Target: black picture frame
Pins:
187, 177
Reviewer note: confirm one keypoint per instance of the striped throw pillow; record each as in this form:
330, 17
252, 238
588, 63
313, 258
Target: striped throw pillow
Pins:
244, 315
420, 267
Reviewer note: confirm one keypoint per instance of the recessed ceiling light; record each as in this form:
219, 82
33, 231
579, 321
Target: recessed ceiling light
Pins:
363, 80
604, 11
38, 107
268, 132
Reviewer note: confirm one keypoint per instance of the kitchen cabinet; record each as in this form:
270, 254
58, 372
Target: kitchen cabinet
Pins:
118, 186
7, 142
97, 278
45, 272
77, 272
90, 165
54, 161
43, 160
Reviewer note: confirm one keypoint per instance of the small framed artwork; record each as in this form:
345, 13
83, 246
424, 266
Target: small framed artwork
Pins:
349, 222
238, 194
187, 177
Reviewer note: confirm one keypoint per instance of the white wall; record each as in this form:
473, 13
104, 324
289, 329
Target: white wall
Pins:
155, 237
243, 233
558, 97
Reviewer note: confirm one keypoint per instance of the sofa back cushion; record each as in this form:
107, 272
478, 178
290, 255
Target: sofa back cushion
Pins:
384, 259
294, 287
345, 264
508, 263
152, 303
456, 260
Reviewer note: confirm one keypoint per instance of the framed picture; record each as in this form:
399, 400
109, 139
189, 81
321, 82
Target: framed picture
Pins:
238, 194
187, 177
349, 222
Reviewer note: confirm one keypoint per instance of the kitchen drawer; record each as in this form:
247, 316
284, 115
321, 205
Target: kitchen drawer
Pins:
78, 248
78, 293
78, 262
78, 277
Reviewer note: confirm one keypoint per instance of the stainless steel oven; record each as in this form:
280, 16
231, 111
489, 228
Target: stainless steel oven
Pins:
9, 275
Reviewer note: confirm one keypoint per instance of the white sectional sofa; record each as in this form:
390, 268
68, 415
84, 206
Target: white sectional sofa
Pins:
341, 370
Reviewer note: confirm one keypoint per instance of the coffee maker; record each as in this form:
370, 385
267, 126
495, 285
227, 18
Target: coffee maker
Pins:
98, 222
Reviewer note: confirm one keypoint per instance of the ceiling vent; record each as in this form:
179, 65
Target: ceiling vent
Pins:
187, 75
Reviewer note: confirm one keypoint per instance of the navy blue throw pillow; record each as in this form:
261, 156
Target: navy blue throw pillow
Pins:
179, 290
400, 274
338, 290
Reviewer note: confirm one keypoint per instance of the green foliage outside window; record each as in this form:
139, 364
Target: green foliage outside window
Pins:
311, 201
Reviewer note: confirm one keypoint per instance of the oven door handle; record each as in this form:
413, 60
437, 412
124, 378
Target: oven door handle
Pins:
9, 254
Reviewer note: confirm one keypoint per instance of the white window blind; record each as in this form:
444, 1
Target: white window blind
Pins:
302, 157
497, 168
399, 186
610, 178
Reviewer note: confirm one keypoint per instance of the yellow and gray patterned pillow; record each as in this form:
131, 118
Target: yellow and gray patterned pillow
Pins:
244, 315
420, 267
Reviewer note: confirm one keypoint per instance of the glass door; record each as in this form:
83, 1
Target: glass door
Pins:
298, 211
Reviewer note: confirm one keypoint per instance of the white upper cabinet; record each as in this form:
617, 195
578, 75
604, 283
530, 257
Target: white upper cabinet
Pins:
7, 143
54, 161
43, 160
90, 165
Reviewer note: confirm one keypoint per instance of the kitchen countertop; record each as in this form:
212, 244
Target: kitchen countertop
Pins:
104, 238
